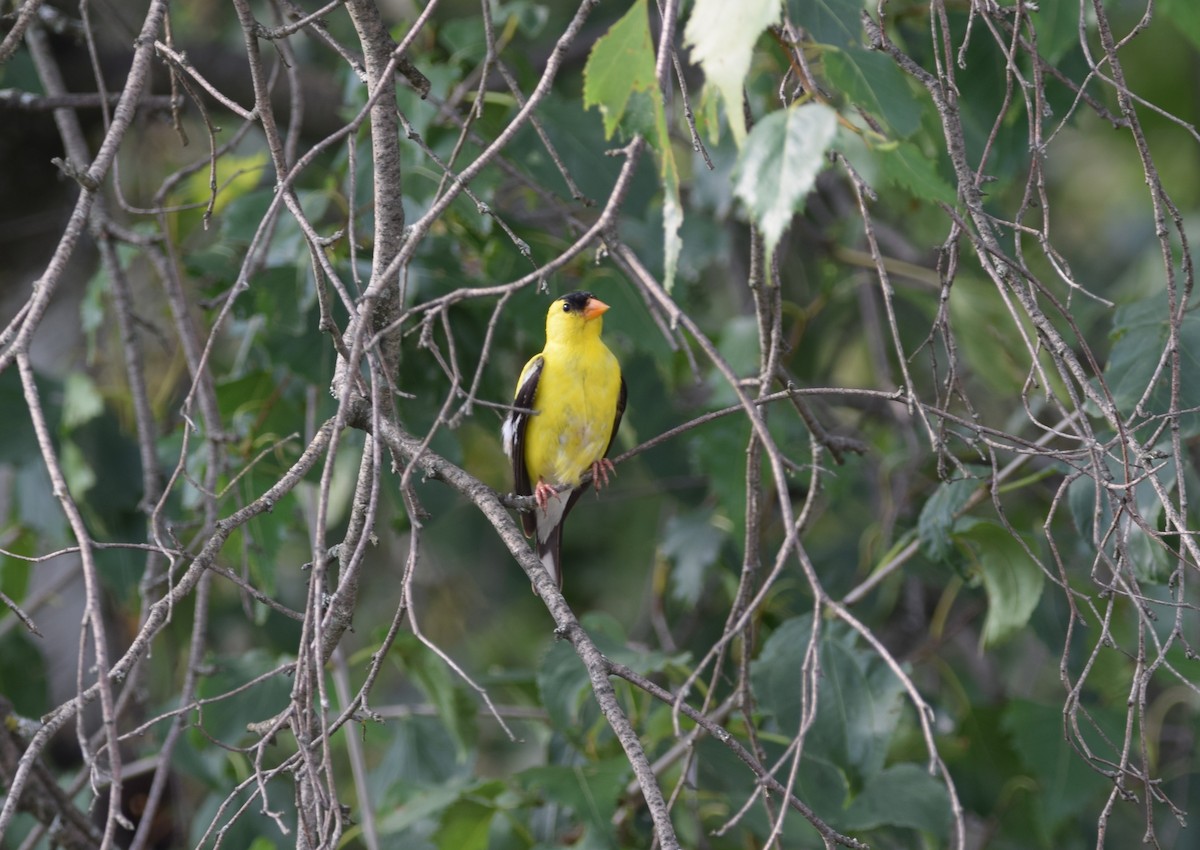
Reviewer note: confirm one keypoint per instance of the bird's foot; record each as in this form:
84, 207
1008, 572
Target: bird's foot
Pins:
542, 494
600, 471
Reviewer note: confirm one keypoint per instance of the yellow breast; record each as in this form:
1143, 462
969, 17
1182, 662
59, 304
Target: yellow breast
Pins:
576, 402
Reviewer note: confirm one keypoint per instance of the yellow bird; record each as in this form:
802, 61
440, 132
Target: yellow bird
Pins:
568, 407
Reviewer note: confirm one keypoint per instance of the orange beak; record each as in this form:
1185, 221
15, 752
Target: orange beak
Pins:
595, 307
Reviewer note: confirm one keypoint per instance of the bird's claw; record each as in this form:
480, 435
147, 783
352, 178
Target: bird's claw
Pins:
600, 471
542, 493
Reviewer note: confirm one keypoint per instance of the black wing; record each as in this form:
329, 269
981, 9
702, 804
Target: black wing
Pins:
517, 423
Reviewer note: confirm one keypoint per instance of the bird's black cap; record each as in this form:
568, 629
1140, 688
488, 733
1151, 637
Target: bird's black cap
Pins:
577, 300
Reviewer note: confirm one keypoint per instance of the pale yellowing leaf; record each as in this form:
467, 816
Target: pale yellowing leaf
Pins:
721, 36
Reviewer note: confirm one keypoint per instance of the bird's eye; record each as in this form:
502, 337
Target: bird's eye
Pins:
566, 307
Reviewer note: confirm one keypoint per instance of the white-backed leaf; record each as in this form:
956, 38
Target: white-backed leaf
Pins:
721, 36
779, 164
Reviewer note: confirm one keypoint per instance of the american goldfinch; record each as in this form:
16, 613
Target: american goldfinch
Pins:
568, 407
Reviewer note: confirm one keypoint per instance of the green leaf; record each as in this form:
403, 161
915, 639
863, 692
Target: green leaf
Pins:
906, 167
236, 176
257, 407
1012, 581
903, 795
240, 221
621, 62
225, 719
1151, 561
611, 640
740, 345
19, 446
619, 68
708, 116
823, 785
1141, 332
859, 703
693, 543
36, 507
982, 322
775, 672
1088, 505
709, 450
859, 696
419, 807
724, 777
531, 15
938, 516
280, 294
590, 790
1057, 26
76, 470
1184, 15
1067, 787
15, 572
82, 401
463, 38
414, 754
836, 22
873, 83
23, 662
455, 709
92, 315
779, 164
465, 825
722, 43
562, 682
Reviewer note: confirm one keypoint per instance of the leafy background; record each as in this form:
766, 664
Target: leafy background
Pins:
936, 584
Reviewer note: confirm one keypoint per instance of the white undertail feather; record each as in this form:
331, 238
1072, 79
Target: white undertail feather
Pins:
547, 521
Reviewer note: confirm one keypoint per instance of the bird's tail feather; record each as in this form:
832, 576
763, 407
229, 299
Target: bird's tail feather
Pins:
549, 550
